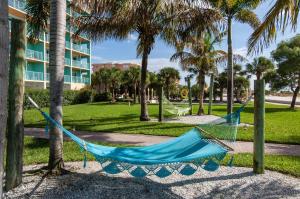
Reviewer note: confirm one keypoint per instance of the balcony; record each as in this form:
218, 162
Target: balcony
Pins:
80, 80
34, 76
32, 54
80, 64
67, 78
75, 14
81, 48
68, 44
18, 4
67, 60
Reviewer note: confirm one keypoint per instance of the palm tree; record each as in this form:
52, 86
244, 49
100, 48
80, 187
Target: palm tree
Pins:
259, 67
132, 76
168, 76
115, 79
241, 11
281, 14
201, 59
4, 56
149, 19
38, 12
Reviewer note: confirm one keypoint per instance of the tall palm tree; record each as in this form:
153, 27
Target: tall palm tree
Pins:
38, 12
168, 76
4, 56
241, 11
201, 59
259, 67
149, 19
281, 14
115, 79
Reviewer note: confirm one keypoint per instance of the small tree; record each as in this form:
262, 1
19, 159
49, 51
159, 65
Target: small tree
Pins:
169, 77
288, 73
259, 67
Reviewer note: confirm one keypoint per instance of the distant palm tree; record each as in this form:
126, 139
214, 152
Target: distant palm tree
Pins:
115, 81
259, 67
38, 12
168, 76
281, 14
201, 59
133, 76
4, 61
241, 11
149, 19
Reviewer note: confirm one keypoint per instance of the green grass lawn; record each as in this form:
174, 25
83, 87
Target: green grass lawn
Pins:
282, 124
37, 151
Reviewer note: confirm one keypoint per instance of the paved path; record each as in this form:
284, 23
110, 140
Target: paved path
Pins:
142, 140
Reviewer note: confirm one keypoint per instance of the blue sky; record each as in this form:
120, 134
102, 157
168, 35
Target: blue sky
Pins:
125, 51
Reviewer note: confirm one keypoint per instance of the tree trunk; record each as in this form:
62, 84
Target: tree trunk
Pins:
4, 56
211, 93
201, 94
221, 94
296, 92
230, 84
134, 95
56, 66
144, 109
15, 136
258, 75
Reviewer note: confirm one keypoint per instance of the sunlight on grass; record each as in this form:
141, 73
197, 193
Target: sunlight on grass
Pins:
282, 124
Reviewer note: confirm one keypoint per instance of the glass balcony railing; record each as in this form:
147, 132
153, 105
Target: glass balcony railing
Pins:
67, 61
34, 76
81, 48
32, 54
67, 78
68, 44
75, 14
18, 4
80, 80
80, 64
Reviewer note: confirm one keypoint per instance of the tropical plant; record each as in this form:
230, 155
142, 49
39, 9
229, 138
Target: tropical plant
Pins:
4, 61
169, 77
241, 11
241, 88
115, 81
149, 19
259, 67
38, 12
281, 14
201, 59
132, 76
287, 74
222, 83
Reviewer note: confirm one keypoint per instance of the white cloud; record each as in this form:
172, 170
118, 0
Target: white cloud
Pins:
97, 59
132, 37
241, 51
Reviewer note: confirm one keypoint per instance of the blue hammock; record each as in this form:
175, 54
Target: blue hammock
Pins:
185, 154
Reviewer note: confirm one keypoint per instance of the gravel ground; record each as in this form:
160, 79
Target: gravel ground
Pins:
90, 183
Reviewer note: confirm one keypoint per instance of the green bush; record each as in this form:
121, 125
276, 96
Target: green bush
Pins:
102, 97
84, 96
41, 97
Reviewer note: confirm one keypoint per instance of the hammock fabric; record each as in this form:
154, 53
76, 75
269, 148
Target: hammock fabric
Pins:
184, 155
180, 109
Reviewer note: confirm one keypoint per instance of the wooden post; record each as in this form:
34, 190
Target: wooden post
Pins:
15, 135
160, 98
259, 126
211, 93
190, 95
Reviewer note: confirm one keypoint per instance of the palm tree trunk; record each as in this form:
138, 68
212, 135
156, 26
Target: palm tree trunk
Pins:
144, 109
15, 136
258, 75
134, 95
230, 83
4, 56
296, 92
56, 66
221, 94
201, 94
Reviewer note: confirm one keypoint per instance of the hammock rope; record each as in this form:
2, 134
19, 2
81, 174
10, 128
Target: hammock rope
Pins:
180, 109
184, 155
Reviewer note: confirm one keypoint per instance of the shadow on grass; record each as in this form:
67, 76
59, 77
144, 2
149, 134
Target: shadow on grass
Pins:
96, 185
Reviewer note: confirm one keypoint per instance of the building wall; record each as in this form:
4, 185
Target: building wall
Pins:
77, 53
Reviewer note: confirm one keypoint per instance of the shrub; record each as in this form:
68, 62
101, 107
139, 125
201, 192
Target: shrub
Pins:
41, 97
84, 96
102, 97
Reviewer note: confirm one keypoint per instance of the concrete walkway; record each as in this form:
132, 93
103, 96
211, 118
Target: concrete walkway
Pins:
143, 140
